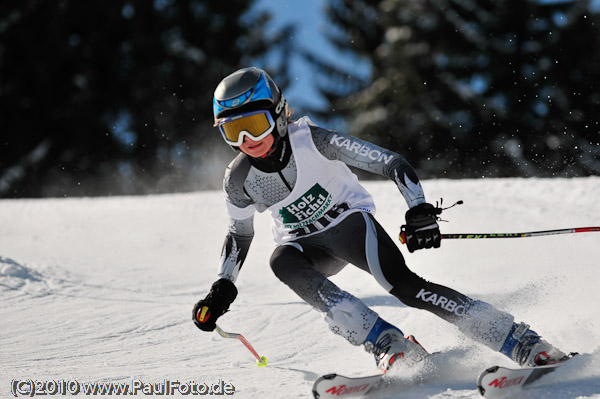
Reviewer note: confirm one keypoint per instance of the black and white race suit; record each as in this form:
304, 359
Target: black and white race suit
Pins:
323, 219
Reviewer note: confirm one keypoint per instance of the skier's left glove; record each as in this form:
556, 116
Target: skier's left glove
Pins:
421, 229
208, 310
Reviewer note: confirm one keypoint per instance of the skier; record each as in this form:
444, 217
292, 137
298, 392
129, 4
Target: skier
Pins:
323, 219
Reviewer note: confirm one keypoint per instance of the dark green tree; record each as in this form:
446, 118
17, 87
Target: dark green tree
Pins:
476, 88
115, 97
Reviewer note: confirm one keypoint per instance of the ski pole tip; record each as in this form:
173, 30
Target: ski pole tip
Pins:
262, 362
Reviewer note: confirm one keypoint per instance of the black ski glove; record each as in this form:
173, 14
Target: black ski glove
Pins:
421, 228
208, 310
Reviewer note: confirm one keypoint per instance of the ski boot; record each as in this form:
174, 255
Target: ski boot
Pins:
526, 347
387, 343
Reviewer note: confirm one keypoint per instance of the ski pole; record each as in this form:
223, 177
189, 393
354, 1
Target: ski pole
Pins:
511, 235
261, 361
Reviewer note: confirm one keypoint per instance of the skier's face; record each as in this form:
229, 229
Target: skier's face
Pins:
257, 149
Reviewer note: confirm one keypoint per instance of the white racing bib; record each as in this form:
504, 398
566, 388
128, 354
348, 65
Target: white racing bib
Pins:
325, 192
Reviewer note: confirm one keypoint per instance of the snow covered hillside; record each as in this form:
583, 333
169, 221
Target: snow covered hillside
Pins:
101, 290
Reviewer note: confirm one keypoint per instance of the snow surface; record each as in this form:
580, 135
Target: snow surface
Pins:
101, 290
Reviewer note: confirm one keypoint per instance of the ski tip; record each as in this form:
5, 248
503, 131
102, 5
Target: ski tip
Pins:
325, 377
481, 390
329, 376
489, 370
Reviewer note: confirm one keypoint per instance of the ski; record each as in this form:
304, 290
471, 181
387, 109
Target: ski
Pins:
336, 386
498, 381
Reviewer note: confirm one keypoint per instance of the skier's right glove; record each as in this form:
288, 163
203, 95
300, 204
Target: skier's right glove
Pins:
208, 310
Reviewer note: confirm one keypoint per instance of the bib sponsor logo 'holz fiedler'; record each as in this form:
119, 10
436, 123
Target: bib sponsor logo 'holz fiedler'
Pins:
307, 208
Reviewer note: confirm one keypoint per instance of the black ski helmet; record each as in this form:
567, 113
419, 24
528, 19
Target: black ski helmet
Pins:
250, 89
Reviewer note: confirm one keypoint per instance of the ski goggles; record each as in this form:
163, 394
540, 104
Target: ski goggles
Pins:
256, 125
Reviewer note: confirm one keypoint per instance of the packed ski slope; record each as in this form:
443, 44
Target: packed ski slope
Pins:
101, 290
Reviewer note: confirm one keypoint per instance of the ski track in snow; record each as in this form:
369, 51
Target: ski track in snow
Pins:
101, 290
